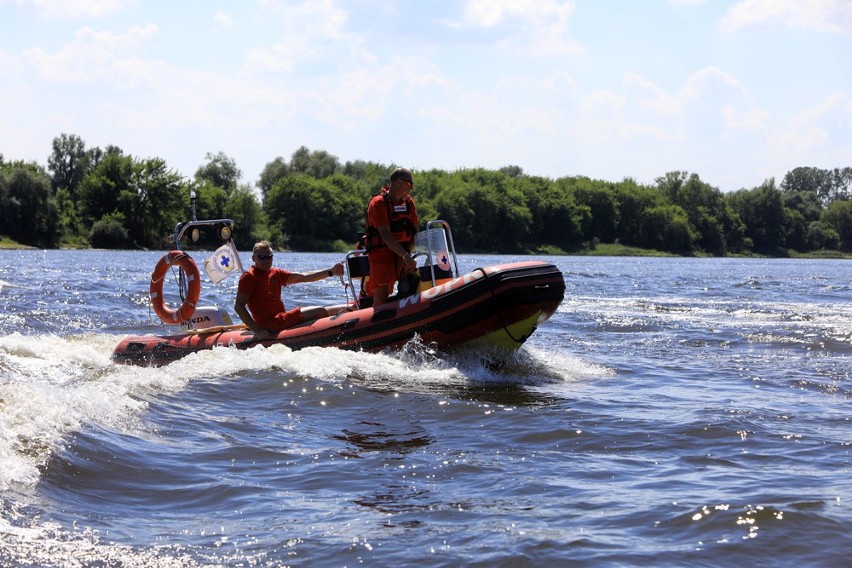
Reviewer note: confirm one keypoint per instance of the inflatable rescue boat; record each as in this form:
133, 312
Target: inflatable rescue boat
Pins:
498, 305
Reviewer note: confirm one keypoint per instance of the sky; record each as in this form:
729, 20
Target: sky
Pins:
736, 91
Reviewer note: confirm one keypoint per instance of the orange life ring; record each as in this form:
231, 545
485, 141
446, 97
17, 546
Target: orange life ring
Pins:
185, 262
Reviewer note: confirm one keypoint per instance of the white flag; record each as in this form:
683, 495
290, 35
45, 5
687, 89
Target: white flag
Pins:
224, 262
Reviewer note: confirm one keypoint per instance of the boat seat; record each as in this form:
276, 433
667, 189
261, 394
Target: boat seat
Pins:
358, 265
358, 268
440, 273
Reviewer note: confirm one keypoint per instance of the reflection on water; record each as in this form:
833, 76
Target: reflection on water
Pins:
397, 493
382, 441
505, 395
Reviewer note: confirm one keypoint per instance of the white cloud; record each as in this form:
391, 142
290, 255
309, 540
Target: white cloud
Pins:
824, 129
560, 82
709, 95
362, 97
322, 19
709, 78
530, 26
278, 58
61, 9
223, 20
708, 120
307, 29
489, 13
832, 16
649, 96
91, 56
751, 118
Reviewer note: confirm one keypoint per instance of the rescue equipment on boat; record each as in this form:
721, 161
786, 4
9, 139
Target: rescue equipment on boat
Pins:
185, 311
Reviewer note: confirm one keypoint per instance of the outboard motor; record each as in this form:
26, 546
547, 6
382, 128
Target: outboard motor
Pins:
206, 316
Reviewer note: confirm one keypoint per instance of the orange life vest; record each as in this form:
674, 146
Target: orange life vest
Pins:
402, 220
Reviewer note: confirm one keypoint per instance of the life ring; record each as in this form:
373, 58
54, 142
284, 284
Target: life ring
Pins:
185, 262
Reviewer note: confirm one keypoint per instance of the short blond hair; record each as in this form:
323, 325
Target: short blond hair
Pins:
261, 245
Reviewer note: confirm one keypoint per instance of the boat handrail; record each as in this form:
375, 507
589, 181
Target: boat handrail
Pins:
440, 224
357, 266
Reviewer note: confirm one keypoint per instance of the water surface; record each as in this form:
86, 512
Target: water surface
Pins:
673, 411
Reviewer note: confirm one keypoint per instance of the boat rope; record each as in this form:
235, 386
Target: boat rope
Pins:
499, 312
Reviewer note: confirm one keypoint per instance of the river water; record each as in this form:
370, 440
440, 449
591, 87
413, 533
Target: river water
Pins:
672, 412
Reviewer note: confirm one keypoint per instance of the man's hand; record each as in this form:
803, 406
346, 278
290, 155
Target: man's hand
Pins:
262, 334
409, 264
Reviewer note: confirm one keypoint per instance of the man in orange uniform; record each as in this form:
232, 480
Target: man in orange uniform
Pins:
391, 225
259, 302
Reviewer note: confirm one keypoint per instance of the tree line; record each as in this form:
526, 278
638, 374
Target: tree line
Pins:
106, 198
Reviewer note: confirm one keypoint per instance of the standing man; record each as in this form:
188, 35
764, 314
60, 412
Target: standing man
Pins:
391, 225
259, 302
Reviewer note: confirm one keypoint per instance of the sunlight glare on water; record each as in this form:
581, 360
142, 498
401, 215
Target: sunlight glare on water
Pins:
672, 412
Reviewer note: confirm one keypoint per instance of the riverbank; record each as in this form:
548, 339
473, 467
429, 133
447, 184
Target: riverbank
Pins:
8, 244
603, 249
613, 249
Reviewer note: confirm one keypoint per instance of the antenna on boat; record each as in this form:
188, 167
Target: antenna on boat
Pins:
192, 197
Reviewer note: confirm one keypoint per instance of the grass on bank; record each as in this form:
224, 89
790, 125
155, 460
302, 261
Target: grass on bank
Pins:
8, 244
616, 249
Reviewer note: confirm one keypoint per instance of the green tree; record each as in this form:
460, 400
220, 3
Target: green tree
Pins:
350, 207
762, 212
100, 190
68, 163
26, 205
243, 207
272, 172
805, 202
556, 218
70, 226
512, 171
796, 229
704, 206
502, 215
318, 164
808, 180
210, 201
841, 183
454, 206
145, 196
220, 170
838, 216
667, 228
735, 237
373, 175
828, 185
156, 200
108, 232
310, 213
633, 200
822, 236
599, 198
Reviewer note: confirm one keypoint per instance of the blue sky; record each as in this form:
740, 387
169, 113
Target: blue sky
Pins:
737, 91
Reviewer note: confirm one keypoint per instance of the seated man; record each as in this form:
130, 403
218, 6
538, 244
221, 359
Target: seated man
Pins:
258, 301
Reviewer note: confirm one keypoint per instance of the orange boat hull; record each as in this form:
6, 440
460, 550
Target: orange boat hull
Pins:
499, 304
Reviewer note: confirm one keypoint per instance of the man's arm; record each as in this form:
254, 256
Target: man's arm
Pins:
299, 277
245, 315
393, 244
